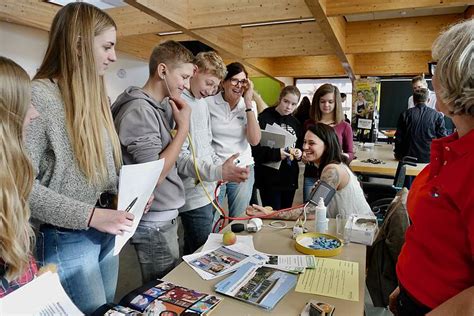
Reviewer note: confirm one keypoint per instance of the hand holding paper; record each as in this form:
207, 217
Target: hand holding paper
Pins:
137, 180
111, 221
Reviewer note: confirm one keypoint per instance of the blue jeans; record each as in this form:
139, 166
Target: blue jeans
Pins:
197, 226
84, 258
308, 184
238, 195
156, 244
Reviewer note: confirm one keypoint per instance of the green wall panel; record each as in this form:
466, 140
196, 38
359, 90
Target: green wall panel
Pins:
268, 88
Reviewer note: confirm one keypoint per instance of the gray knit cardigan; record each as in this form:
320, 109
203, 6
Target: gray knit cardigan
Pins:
61, 195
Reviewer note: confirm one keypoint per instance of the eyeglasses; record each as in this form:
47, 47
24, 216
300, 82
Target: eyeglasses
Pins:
235, 81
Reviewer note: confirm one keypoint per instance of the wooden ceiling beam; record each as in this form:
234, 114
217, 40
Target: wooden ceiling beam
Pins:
373, 64
348, 7
261, 63
296, 39
307, 66
131, 21
140, 46
212, 13
31, 13
392, 63
226, 40
405, 34
334, 28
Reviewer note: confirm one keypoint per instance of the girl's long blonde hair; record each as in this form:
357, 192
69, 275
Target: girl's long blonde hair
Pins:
16, 171
70, 60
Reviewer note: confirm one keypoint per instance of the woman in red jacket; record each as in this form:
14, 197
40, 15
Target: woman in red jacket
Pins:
435, 268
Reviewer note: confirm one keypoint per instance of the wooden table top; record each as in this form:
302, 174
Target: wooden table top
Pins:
277, 241
382, 152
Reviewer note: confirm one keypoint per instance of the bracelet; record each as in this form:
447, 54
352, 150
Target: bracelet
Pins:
90, 218
249, 110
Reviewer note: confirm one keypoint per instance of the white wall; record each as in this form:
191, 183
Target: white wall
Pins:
288, 81
136, 74
26, 46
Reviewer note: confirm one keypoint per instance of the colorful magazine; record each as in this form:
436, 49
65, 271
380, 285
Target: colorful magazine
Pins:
158, 297
258, 285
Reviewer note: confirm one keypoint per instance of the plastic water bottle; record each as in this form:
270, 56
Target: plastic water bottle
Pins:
321, 222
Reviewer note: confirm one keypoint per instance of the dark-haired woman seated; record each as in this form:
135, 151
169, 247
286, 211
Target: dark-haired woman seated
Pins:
321, 147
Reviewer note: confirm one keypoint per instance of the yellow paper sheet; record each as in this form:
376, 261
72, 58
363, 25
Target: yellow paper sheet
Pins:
331, 277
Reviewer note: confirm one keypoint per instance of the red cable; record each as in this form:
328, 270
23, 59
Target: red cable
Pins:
223, 218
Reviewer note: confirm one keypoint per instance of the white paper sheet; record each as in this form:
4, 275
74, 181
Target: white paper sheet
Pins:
137, 180
43, 296
214, 241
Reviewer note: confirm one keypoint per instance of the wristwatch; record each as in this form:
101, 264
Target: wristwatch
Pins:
249, 110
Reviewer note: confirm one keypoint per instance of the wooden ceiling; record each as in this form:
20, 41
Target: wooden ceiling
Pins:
323, 45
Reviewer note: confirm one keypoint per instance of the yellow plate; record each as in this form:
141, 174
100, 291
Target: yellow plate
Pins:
317, 252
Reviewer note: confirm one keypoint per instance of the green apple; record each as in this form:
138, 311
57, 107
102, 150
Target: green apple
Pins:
229, 238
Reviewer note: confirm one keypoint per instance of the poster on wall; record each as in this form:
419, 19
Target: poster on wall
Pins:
365, 109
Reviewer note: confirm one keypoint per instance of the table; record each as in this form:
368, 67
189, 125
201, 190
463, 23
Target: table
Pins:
382, 152
277, 241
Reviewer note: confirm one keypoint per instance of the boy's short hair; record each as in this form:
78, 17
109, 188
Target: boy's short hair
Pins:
418, 78
212, 63
170, 53
420, 96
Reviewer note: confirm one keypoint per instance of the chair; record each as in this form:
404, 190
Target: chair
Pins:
382, 256
379, 195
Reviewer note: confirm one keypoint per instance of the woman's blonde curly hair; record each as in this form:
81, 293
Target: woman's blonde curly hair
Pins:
16, 171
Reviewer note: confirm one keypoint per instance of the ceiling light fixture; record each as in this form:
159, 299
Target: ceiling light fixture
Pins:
170, 33
278, 22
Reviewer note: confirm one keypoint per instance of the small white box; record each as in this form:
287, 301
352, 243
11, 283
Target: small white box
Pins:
364, 229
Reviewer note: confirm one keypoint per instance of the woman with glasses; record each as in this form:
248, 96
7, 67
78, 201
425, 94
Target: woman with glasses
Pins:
234, 129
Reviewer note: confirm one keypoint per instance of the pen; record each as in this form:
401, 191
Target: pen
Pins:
129, 207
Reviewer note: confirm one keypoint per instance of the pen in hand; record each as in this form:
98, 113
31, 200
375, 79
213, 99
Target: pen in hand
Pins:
129, 207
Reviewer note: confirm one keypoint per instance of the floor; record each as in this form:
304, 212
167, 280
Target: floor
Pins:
129, 271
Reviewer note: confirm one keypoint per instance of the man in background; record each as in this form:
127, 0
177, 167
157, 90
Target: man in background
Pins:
417, 127
417, 83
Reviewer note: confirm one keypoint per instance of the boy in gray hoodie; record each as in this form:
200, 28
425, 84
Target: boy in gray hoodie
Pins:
144, 122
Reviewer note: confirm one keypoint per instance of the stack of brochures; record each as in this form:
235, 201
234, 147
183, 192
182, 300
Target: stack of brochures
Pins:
258, 285
274, 136
223, 260
162, 298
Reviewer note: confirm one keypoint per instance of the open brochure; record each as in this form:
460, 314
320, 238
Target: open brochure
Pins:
258, 285
223, 260
162, 298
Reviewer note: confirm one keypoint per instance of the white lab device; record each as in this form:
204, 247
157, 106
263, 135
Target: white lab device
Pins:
254, 225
